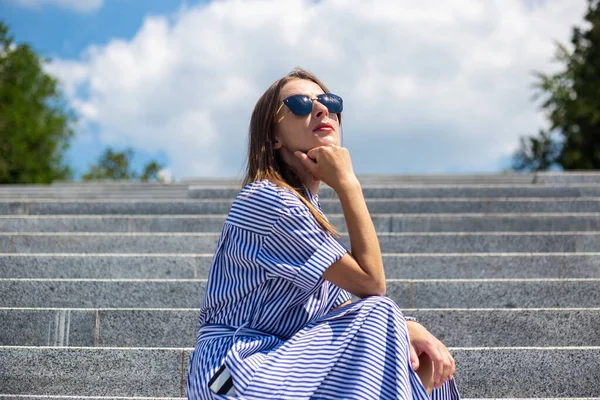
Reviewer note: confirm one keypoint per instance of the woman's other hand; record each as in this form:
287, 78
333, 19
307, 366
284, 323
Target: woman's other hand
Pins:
422, 341
330, 164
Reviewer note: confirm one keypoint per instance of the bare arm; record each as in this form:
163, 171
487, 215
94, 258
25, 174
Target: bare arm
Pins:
361, 271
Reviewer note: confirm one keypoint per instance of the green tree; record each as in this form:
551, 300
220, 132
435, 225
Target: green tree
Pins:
571, 99
113, 165
537, 153
35, 121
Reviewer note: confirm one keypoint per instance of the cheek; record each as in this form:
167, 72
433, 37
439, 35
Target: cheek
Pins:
294, 128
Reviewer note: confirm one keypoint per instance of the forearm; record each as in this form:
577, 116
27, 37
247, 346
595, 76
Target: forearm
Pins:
364, 243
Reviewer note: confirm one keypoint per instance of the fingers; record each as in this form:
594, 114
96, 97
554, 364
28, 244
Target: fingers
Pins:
308, 163
414, 358
444, 366
437, 357
424, 342
312, 153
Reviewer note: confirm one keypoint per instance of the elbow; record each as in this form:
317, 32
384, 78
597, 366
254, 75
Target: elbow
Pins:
380, 288
377, 287
379, 283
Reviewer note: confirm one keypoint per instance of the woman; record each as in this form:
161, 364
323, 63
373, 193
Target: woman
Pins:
276, 320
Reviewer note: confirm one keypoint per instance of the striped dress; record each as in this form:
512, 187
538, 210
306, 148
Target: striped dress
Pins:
266, 314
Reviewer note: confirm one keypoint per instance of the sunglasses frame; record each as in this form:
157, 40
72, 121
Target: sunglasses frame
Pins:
318, 98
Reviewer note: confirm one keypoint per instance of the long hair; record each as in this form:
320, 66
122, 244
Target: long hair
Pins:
263, 161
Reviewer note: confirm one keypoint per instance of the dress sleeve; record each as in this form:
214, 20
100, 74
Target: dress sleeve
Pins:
342, 297
298, 249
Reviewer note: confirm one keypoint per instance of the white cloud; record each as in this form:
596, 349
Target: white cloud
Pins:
165, 175
428, 86
81, 6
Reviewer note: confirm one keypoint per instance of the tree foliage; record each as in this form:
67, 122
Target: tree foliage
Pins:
571, 100
113, 165
35, 121
537, 153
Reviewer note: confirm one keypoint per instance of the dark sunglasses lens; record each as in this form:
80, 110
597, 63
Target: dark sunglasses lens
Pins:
333, 102
299, 104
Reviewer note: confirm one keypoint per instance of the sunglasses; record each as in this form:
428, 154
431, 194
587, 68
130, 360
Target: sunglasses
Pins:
301, 104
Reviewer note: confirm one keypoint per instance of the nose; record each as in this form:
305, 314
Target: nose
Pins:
319, 108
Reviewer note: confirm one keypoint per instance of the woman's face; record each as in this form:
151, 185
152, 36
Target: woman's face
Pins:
298, 132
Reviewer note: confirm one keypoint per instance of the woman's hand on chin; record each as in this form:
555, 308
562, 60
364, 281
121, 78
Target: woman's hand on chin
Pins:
305, 175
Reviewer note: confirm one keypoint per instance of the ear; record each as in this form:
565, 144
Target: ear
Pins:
277, 144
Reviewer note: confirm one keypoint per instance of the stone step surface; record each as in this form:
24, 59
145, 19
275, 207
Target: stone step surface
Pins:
510, 178
524, 222
436, 242
33, 397
94, 191
67, 397
429, 191
135, 327
398, 266
325, 192
532, 372
570, 178
215, 206
187, 293
94, 196
100, 284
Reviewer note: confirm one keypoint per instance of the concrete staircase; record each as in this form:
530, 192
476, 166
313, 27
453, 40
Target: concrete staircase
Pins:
100, 284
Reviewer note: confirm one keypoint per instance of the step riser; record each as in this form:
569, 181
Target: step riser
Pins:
527, 373
94, 372
516, 223
324, 193
515, 373
107, 266
389, 243
178, 328
424, 206
43, 397
408, 192
188, 294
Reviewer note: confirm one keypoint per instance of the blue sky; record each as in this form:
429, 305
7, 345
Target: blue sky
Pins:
59, 32
429, 87
62, 32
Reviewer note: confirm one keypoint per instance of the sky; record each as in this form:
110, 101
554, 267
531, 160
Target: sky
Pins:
429, 87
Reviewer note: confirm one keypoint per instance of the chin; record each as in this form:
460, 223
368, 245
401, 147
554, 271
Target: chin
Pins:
329, 139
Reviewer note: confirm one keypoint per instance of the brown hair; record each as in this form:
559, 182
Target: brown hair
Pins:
264, 162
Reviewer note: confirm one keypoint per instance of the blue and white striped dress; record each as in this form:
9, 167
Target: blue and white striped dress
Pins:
266, 314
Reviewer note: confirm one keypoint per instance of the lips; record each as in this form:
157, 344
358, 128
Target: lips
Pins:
324, 126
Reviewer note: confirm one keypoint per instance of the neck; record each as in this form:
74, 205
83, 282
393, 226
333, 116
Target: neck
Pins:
313, 185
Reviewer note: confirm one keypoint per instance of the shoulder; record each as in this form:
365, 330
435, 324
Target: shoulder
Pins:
260, 204
269, 194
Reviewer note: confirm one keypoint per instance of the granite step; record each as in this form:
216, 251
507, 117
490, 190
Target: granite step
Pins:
187, 293
90, 190
508, 178
573, 177
436, 242
51, 196
398, 266
376, 206
135, 327
483, 372
522, 222
67, 397
408, 191
229, 192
